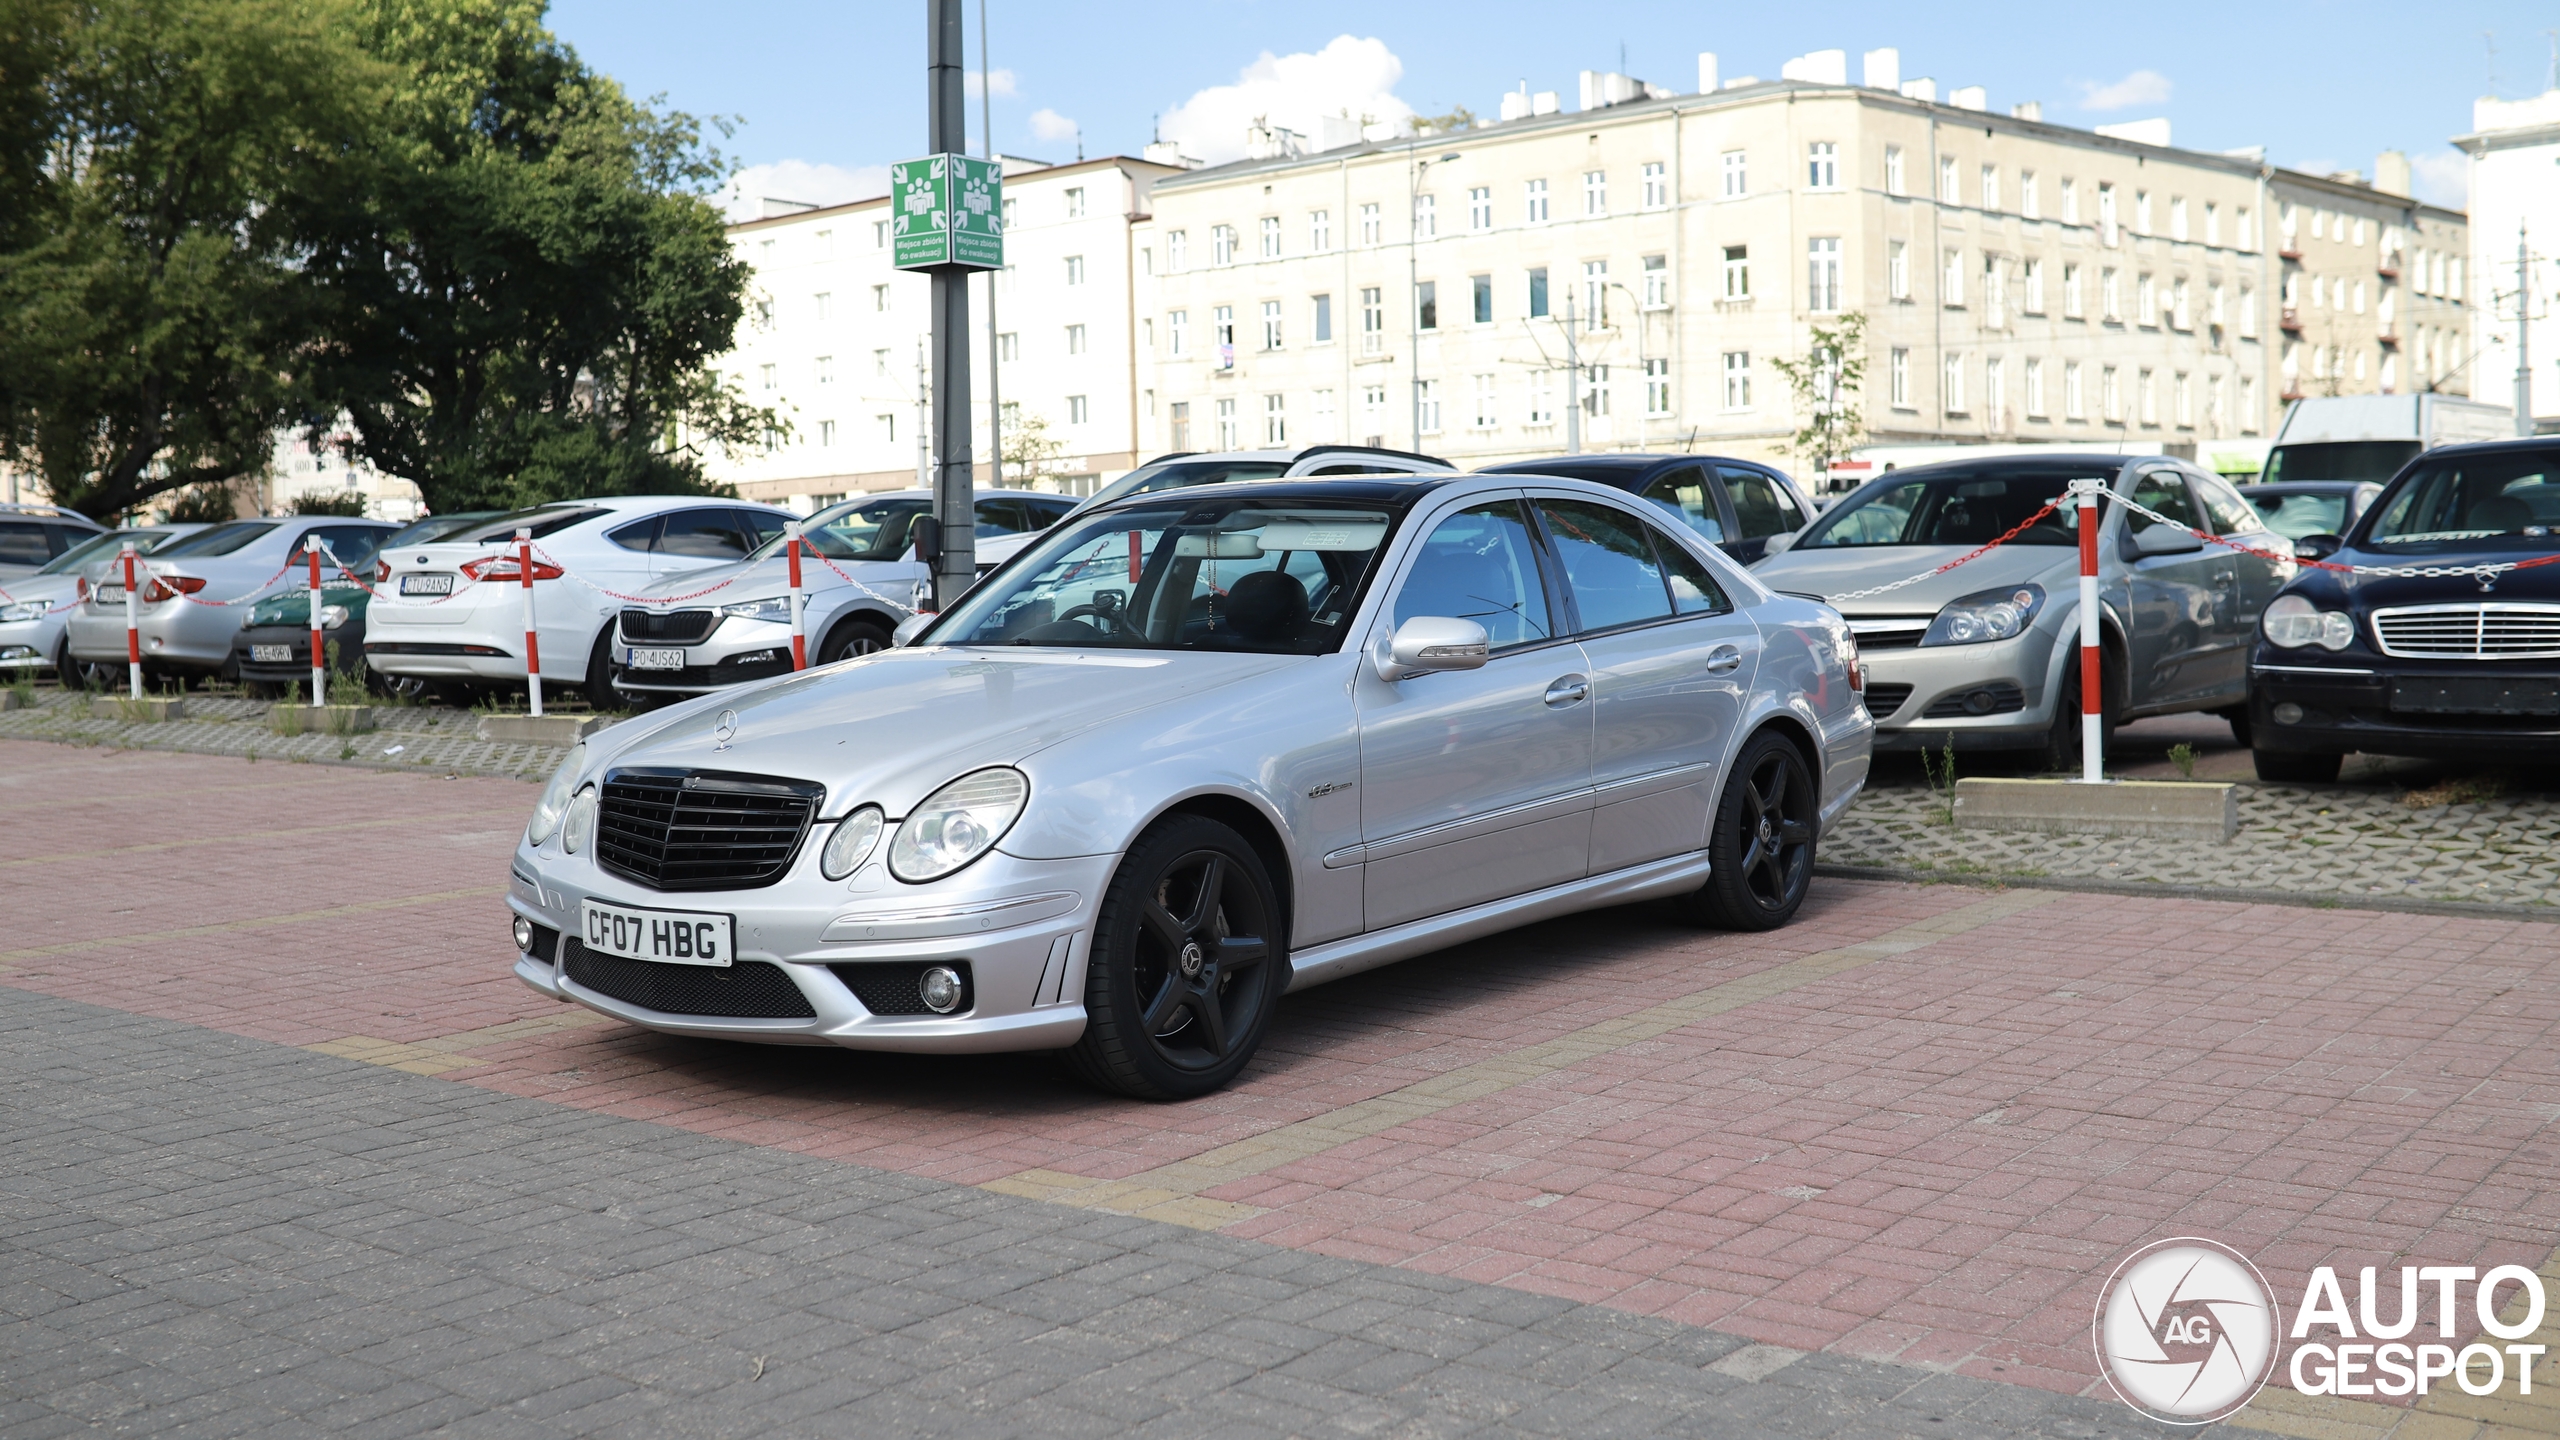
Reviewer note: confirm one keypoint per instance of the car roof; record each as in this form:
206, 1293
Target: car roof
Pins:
981, 493
34, 511
2025, 464
2511, 442
1393, 488
1616, 462
2312, 487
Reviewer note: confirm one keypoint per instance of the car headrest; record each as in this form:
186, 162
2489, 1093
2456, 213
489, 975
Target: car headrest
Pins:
2499, 512
1267, 605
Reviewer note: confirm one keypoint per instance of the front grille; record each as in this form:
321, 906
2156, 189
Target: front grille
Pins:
895, 987
2001, 697
1894, 633
747, 990
667, 627
701, 829
2470, 632
1883, 700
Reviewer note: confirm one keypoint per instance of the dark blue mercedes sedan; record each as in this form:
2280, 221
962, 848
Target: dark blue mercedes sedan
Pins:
2443, 643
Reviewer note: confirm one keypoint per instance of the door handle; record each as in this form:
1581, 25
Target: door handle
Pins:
1569, 690
1723, 660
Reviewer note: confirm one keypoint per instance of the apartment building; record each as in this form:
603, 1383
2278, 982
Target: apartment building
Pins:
2515, 204
2370, 293
835, 336
2020, 280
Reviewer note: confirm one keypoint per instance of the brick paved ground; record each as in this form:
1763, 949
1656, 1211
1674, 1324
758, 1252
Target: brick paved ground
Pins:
1917, 1127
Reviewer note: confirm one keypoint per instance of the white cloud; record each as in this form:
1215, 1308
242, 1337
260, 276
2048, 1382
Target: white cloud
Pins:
2442, 177
1048, 124
809, 182
1349, 75
2142, 87
975, 82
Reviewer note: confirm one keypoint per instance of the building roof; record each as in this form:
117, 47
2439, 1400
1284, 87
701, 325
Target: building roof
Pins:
1105, 162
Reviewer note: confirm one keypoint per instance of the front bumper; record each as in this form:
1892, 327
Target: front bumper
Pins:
1020, 925
1998, 696
28, 644
736, 651
2347, 708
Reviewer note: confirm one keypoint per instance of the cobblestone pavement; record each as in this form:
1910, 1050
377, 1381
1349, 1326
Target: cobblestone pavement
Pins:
1917, 1127
404, 738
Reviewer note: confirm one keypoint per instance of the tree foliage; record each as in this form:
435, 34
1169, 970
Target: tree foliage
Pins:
1824, 383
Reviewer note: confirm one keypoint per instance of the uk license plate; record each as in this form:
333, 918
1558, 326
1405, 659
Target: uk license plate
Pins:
656, 659
271, 654
426, 584
671, 937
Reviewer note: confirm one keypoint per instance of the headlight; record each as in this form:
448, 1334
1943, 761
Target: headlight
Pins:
23, 610
855, 837
2292, 622
957, 823
1986, 615
581, 825
555, 797
772, 607
332, 616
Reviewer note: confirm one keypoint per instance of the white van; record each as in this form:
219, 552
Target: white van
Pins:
2369, 437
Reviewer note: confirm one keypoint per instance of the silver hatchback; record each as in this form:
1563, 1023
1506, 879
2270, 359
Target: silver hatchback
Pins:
1196, 749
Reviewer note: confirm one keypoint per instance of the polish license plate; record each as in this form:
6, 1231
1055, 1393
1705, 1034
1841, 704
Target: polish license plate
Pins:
271, 654
656, 659
672, 937
110, 594
426, 584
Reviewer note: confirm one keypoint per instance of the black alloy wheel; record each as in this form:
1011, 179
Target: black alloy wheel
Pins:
1760, 849
598, 686
1187, 965
851, 638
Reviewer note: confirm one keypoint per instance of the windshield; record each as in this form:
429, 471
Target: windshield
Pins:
100, 547
1223, 574
2374, 460
1952, 509
2507, 495
1182, 474
220, 540
293, 607
542, 520
2297, 515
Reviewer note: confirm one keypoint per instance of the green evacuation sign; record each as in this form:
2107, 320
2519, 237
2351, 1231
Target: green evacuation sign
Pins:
948, 211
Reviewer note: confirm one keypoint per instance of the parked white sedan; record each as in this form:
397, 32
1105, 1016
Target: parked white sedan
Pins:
451, 613
1196, 749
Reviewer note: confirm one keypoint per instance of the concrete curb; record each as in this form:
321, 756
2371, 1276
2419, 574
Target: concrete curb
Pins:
2535, 914
541, 729
2164, 809
320, 719
150, 708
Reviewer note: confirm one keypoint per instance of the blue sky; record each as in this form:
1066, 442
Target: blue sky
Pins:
828, 92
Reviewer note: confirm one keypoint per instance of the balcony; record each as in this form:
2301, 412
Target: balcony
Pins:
2289, 320
2292, 250
2390, 337
2291, 393
2389, 269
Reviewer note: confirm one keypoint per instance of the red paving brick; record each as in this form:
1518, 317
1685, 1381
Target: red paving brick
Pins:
1935, 1157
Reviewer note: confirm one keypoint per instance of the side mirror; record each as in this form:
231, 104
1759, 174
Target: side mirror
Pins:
926, 532
1780, 543
2165, 540
909, 628
2318, 547
1426, 644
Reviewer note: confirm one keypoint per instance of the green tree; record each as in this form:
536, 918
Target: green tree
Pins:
527, 280
1825, 384
152, 154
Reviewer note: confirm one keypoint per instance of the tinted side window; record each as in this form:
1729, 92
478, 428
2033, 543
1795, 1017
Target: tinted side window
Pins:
702, 535
640, 535
760, 525
1000, 517
1480, 565
23, 542
2231, 514
352, 544
1045, 513
2164, 491
1609, 563
1760, 508
1686, 495
1693, 590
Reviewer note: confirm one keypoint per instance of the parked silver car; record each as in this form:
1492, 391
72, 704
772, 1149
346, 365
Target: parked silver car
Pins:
191, 607
1985, 656
1191, 751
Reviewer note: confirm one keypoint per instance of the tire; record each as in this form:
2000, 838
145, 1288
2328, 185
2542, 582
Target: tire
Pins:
2294, 767
1760, 842
2061, 752
406, 689
598, 686
2238, 715
851, 637
1190, 891
68, 673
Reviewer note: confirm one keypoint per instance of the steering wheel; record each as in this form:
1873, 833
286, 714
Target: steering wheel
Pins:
1114, 621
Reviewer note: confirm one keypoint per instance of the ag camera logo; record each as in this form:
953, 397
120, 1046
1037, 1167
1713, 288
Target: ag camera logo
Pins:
2186, 1331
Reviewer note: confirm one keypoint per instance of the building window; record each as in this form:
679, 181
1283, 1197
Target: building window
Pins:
1595, 292
1990, 187
1595, 401
1657, 186
2035, 288
2030, 201
1995, 394
1737, 174
1075, 339
2177, 217
2035, 389
1322, 327
2248, 405
2106, 213
2110, 396
1227, 437
1480, 294
1075, 269
826, 433
1177, 247
1270, 324
1270, 237
1222, 333
2146, 301
1822, 274
1181, 425
1951, 279
880, 360
1373, 411
826, 368
888, 427
1893, 170
772, 377
2359, 294
1534, 202
1480, 208
1005, 216
2142, 212
1951, 384
1657, 387
2248, 313
2181, 310
1426, 394
1275, 420
820, 305
1426, 216
2110, 298
1595, 192
1486, 416
1897, 270
2070, 201
879, 234
1657, 282
1326, 427
1950, 189
2182, 396
2071, 309
1075, 202
879, 302
1079, 410
1898, 378
1426, 305
2242, 238
2074, 403
1177, 330
1737, 379
1542, 397
2145, 391
1222, 244
2212, 223
1538, 293
1369, 226
1319, 230
1373, 321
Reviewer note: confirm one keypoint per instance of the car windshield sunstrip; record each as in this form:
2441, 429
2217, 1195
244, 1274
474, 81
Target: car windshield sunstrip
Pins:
1228, 574
1956, 509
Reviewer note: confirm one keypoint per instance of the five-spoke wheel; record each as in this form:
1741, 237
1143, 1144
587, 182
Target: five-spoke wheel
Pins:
1760, 849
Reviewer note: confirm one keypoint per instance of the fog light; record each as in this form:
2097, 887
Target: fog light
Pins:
1980, 702
2288, 713
940, 987
524, 935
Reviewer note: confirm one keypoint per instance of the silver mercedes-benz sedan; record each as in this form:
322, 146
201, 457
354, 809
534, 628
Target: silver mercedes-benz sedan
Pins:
1192, 751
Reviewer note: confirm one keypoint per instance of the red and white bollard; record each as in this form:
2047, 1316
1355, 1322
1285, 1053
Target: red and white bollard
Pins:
132, 624
319, 652
532, 643
2092, 679
799, 639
